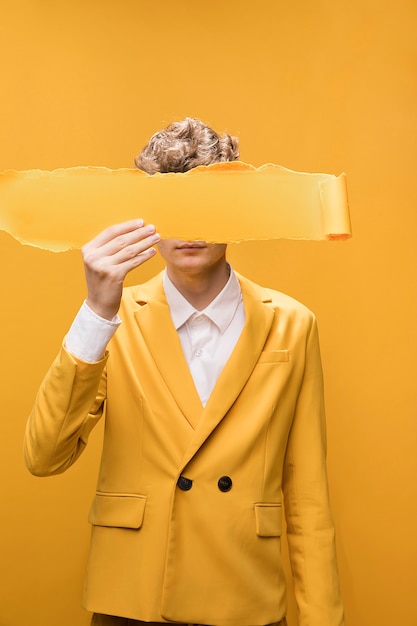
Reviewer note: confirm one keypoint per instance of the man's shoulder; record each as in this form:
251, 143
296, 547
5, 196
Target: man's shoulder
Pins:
274, 298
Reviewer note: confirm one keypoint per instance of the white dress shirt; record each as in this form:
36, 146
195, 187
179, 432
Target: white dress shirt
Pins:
207, 337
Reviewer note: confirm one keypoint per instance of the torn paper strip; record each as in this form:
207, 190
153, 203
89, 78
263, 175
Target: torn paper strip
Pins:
226, 202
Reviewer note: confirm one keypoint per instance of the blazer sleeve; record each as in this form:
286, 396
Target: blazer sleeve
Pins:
69, 403
310, 529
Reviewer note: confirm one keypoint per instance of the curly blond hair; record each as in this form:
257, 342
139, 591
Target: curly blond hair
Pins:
184, 145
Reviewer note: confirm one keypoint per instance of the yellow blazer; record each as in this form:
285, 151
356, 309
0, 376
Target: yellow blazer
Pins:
187, 518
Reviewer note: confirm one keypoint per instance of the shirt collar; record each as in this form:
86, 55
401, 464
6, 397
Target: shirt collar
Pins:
220, 311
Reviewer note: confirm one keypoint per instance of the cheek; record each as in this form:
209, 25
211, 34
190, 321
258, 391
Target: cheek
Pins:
163, 248
219, 250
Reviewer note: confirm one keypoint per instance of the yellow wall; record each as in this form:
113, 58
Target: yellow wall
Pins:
315, 86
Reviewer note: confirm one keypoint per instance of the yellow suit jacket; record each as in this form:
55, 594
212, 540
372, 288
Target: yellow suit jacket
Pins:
187, 518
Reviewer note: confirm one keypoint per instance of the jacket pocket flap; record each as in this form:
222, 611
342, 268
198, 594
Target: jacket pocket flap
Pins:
268, 520
274, 356
117, 510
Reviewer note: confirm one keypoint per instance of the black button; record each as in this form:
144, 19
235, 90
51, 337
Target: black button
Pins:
225, 483
184, 483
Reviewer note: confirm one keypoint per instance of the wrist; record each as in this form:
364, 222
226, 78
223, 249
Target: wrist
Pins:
104, 313
108, 313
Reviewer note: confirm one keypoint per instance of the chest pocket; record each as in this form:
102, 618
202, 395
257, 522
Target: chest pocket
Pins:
274, 356
117, 510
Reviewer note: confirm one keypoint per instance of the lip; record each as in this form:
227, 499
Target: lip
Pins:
191, 245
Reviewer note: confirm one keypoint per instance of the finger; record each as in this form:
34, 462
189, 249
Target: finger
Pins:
133, 250
137, 260
140, 236
93, 252
117, 272
116, 230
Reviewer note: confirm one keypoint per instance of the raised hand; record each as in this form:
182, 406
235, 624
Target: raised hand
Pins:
109, 257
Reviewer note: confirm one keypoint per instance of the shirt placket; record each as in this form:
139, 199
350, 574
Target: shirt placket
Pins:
200, 334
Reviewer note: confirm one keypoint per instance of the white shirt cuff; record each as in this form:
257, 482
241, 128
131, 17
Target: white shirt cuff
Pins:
89, 335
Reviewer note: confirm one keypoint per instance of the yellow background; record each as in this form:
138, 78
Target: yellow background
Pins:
324, 86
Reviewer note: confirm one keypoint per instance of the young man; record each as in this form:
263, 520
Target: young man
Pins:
212, 392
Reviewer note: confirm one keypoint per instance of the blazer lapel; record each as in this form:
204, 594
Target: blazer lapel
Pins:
154, 320
259, 318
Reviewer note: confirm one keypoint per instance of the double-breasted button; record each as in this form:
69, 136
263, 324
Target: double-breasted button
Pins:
184, 484
225, 483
